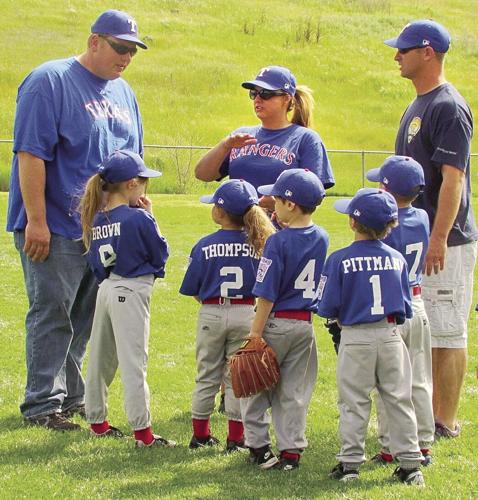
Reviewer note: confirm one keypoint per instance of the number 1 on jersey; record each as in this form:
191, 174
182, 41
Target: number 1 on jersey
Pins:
377, 307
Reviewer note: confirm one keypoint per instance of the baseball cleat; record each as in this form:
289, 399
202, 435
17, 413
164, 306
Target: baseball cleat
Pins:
110, 432
409, 476
442, 431
287, 464
427, 458
263, 457
343, 475
232, 446
203, 442
158, 441
53, 421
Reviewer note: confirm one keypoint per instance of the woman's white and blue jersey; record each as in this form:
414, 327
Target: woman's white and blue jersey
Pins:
290, 268
276, 151
221, 264
365, 283
126, 241
411, 238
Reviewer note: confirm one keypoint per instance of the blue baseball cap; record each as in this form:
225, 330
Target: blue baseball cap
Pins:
124, 165
371, 207
274, 78
400, 174
235, 196
422, 33
118, 24
299, 185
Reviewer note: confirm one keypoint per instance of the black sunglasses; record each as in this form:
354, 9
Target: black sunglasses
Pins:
405, 51
264, 94
119, 48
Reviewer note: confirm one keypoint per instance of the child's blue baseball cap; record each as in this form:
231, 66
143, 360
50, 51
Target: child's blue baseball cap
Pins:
273, 78
124, 165
299, 185
235, 196
371, 207
118, 24
401, 175
422, 33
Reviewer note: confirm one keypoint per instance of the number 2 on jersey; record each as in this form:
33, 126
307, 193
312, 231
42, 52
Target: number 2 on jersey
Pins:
231, 285
107, 255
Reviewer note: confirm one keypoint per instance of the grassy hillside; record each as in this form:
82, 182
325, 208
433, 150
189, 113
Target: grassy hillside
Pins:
188, 82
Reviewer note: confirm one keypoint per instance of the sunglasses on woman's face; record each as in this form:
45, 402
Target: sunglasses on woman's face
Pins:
119, 48
264, 94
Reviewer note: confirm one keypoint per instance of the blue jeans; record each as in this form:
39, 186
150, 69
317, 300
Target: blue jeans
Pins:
61, 293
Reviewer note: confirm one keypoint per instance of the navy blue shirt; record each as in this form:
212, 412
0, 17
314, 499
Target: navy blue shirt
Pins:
364, 283
290, 268
126, 241
411, 238
221, 264
276, 151
71, 119
436, 129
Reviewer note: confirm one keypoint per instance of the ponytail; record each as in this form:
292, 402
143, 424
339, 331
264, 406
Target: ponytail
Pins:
91, 202
258, 228
303, 105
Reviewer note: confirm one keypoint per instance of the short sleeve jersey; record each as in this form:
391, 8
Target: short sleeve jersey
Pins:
276, 151
72, 120
411, 238
365, 283
221, 264
436, 129
290, 268
126, 241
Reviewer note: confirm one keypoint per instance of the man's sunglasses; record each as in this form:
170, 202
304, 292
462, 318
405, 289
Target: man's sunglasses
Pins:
265, 94
119, 48
405, 51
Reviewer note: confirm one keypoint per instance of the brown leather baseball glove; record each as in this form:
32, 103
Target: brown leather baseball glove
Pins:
254, 368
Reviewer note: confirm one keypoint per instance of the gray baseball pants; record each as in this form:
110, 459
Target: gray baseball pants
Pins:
120, 336
294, 343
417, 337
220, 332
374, 355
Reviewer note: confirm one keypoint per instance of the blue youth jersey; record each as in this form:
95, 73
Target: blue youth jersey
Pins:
276, 151
411, 238
221, 264
72, 120
364, 283
126, 241
290, 268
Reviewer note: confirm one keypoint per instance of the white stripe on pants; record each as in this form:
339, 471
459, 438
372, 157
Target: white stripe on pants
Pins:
120, 335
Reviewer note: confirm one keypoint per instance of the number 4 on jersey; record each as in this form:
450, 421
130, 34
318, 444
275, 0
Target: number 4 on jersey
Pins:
306, 280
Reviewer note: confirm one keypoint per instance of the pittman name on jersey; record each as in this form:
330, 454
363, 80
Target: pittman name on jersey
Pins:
229, 250
372, 263
106, 231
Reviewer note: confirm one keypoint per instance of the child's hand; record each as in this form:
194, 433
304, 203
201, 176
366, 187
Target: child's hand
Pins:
146, 204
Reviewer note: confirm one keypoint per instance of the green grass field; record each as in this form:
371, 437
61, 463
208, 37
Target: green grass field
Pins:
188, 81
37, 463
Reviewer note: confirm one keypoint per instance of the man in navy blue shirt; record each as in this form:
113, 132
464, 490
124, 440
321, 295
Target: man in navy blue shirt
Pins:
436, 131
71, 114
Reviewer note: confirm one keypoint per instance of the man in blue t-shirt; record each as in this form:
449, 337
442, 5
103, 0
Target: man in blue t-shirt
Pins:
71, 114
436, 131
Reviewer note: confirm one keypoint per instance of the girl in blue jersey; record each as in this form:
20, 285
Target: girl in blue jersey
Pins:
221, 273
282, 141
126, 252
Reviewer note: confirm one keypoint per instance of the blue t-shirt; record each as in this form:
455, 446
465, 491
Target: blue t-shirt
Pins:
276, 151
290, 268
126, 241
72, 120
436, 129
221, 264
364, 283
411, 238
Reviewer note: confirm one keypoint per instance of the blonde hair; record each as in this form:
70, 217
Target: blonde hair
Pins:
257, 227
90, 204
302, 105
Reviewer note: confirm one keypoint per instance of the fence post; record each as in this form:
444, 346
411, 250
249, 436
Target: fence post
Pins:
363, 168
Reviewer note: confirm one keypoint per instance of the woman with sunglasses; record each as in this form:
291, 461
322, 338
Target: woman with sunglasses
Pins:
283, 140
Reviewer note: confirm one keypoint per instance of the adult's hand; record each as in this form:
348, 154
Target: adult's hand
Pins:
37, 241
435, 258
238, 141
